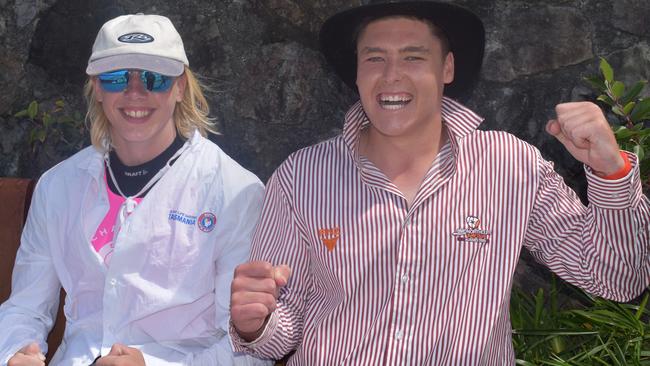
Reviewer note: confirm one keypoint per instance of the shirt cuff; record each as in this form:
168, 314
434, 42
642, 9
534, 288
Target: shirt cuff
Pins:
614, 194
241, 345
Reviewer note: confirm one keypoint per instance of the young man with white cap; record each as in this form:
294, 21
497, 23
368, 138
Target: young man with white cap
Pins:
143, 229
395, 243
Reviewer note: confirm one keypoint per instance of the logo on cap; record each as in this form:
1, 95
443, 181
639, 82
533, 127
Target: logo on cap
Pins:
135, 38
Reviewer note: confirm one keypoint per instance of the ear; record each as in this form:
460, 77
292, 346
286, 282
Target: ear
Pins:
97, 89
448, 68
181, 84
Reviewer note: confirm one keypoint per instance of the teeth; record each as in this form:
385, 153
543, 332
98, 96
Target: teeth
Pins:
393, 106
394, 98
136, 113
393, 102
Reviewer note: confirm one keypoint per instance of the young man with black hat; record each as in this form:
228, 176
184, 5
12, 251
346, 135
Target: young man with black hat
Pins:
395, 243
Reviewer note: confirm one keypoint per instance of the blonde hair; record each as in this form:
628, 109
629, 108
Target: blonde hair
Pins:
190, 114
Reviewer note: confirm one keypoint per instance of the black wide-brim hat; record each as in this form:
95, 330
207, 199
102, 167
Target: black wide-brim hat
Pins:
463, 29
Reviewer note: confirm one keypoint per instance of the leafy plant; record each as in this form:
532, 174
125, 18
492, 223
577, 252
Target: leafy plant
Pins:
52, 124
595, 331
631, 111
598, 332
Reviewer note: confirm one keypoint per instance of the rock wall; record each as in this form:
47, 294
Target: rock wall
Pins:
271, 92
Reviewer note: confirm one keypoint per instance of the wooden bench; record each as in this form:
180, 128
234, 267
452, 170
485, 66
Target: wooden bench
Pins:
15, 197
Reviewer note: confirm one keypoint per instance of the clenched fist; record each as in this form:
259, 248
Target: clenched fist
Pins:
254, 293
121, 355
30, 355
583, 130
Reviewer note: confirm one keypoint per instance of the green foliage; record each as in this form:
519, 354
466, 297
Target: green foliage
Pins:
631, 111
52, 124
598, 332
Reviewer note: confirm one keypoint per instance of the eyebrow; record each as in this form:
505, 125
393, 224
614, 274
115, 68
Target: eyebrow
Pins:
420, 49
407, 49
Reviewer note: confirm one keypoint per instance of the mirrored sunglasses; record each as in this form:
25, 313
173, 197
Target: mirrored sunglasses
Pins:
116, 81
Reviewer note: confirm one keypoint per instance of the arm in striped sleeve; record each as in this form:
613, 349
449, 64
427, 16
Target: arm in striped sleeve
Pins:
278, 239
602, 248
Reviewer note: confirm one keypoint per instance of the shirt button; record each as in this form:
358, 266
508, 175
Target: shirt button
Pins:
113, 282
399, 335
405, 278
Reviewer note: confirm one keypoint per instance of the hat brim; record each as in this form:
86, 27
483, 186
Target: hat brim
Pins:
163, 65
463, 29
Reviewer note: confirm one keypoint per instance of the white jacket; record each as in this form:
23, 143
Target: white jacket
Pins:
167, 289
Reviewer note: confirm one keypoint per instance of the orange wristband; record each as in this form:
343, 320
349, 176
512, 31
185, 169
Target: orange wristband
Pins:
623, 171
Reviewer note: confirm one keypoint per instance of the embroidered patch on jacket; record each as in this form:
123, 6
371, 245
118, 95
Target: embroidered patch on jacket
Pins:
473, 232
182, 217
207, 222
329, 237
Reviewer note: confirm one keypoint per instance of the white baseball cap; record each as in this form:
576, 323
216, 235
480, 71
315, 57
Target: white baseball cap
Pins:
138, 41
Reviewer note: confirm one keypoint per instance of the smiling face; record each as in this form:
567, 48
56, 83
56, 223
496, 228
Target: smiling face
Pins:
401, 72
141, 122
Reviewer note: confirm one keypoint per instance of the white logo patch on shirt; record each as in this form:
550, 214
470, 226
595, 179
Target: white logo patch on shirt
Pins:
473, 232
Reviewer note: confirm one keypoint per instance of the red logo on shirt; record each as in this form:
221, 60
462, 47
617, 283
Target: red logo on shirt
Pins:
206, 222
329, 237
473, 233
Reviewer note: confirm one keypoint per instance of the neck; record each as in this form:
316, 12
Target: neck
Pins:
137, 153
402, 153
405, 161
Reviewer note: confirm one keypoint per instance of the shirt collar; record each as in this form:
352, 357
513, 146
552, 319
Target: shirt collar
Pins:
460, 122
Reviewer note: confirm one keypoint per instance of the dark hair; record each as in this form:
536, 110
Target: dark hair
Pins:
435, 30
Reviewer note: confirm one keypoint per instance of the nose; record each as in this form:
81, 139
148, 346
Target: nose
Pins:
392, 70
135, 87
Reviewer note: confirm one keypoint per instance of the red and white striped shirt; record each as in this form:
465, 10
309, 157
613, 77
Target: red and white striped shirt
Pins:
377, 282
